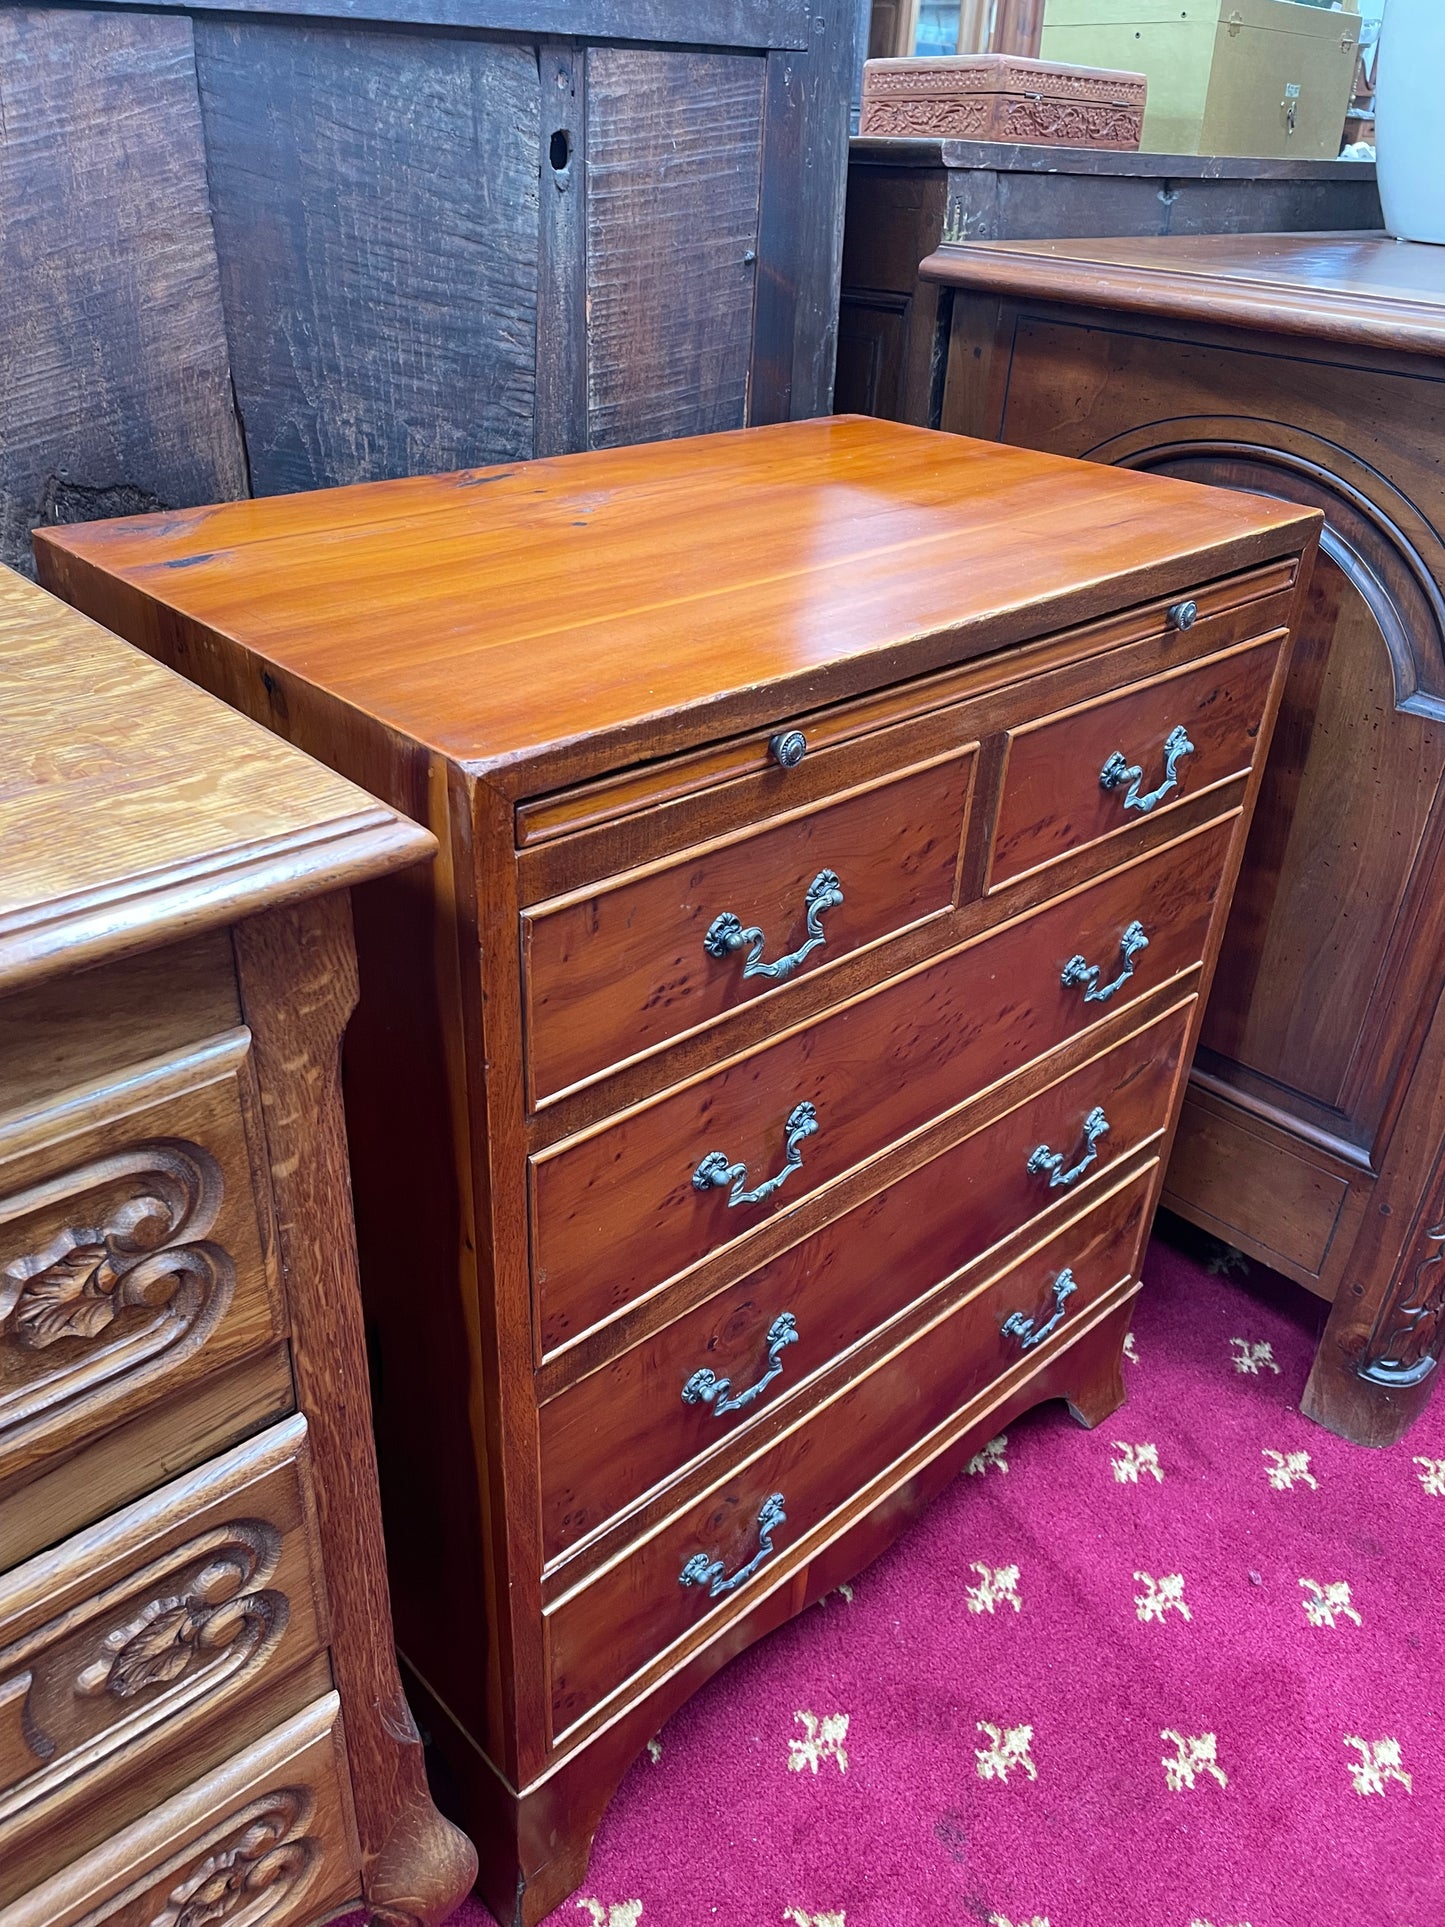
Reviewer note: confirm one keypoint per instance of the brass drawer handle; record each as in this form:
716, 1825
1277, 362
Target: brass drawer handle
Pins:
702, 1571
1076, 971
725, 933
1024, 1329
706, 1388
716, 1169
1116, 771
1043, 1159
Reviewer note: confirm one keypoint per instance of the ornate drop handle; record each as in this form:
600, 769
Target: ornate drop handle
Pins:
702, 1571
716, 1169
1023, 1329
1116, 771
1043, 1159
706, 1388
1076, 971
725, 933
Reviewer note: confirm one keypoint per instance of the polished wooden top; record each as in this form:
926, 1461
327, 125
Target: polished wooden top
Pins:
135, 808
1361, 288
637, 599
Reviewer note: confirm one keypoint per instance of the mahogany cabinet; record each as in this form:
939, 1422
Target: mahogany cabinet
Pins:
1306, 367
201, 1718
765, 1097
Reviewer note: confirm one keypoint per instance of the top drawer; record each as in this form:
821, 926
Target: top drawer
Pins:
618, 968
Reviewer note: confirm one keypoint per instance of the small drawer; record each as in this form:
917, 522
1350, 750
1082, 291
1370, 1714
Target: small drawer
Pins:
136, 1252
268, 1837
718, 1555
627, 1427
120, 1642
1093, 771
688, 1174
617, 969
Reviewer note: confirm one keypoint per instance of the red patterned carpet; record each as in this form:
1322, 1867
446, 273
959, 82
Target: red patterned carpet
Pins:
1187, 1670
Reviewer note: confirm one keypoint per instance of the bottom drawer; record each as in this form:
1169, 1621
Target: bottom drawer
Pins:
717, 1555
267, 1837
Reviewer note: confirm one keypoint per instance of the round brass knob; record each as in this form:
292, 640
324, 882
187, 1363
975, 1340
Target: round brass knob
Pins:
788, 747
1182, 614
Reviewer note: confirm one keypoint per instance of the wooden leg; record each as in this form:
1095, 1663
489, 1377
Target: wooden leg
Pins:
1098, 1361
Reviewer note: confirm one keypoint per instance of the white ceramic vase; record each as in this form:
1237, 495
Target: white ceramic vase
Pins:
1410, 119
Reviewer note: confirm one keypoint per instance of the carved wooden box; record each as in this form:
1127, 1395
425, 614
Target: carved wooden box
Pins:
199, 1707
1001, 97
764, 1099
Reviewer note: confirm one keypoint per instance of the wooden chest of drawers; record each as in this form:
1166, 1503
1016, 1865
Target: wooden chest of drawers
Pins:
199, 1707
765, 1097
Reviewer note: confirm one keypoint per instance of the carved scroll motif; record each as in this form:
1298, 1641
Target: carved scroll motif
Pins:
183, 1628
124, 1275
261, 1861
1410, 1332
940, 116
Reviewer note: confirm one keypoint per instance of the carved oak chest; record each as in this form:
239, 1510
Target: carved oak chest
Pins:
764, 1099
200, 1715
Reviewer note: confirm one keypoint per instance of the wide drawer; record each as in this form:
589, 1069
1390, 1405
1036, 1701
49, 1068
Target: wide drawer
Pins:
716, 1556
267, 1838
612, 1436
121, 1640
619, 1210
135, 1243
616, 969
1093, 770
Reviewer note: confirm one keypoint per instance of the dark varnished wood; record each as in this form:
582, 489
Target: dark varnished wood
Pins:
901, 597
1308, 365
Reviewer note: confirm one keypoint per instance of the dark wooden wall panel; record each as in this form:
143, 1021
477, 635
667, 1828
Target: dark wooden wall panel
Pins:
674, 156
114, 382
375, 205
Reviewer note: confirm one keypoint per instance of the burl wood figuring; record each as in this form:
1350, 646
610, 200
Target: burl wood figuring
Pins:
200, 1713
766, 1095
1308, 367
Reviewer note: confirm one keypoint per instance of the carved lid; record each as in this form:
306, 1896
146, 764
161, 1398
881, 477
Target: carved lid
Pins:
134, 807
954, 74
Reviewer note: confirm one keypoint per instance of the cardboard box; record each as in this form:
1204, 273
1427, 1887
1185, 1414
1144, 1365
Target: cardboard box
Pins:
998, 97
1261, 77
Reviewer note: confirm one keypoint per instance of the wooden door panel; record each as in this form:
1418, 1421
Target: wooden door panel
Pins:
375, 203
674, 165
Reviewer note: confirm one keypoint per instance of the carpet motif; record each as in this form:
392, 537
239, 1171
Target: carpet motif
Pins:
1187, 1670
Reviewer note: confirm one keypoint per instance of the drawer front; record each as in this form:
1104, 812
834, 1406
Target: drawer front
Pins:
625, 1428
640, 1188
717, 1556
618, 969
1095, 770
267, 1838
120, 1641
135, 1247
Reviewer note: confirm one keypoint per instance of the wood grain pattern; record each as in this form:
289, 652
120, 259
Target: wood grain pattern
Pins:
875, 1070
117, 397
672, 229
375, 201
901, 597
283, 1799
796, 589
625, 1428
1319, 1031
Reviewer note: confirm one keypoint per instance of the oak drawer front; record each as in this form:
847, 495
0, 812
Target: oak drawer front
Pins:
717, 1555
620, 968
118, 1642
135, 1245
623, 1208
267, 1838
628, 1426
1095, 770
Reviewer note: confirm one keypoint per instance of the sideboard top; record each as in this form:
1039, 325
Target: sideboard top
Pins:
611, 597
135, 808
1363, 288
